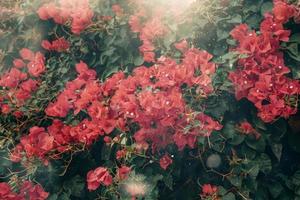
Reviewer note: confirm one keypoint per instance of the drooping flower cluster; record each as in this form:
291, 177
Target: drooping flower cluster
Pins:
20, 81
151, 97
153, 21
77, 11
261, 76
39, 142
149, 28
58, 45
27, 191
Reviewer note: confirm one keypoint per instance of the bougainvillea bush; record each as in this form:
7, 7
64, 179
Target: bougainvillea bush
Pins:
140, 99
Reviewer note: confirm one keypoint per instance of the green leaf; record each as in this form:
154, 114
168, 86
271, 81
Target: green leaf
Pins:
236, 19
222, 34
64, 70
105, 152
275, 188
296, 178
221, 190
168, 180
64, 196
266, 7
230, 133
258, 145
235, 180
229, 196
229, 130
237, 139
75, 186
264, 163
139, 60
295, 38
297, 191
277, 150
292, 50
253, 172
259, 123
296, 72
109, 71
230, 57
294, 141
53, 197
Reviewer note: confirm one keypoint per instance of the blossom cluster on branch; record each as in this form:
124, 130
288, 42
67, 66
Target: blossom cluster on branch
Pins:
59, 45
147, 110
151, 97
261, 76
20, 81
27, 191
77, 11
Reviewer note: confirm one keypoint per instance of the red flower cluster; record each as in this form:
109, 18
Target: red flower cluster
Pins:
261, 76
121, 154
27, 191
19, 82
97, 177
85, 93
58, 45
102, 176
209, 190
39, 142
151, 97
76, 11
77, 94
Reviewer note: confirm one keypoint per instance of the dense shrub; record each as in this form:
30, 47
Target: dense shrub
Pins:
128, 99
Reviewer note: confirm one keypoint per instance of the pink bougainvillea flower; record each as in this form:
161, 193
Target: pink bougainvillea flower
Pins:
12, 78
121, 154
123, 172
27, 191
260, 77
165, 161
27, 54
19, 63
6, 192
58, 45
30, 85
16, 154
5, 109
33, 192
283, 11
77, 11
36, 66
97, 177
182, 45
208, 190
